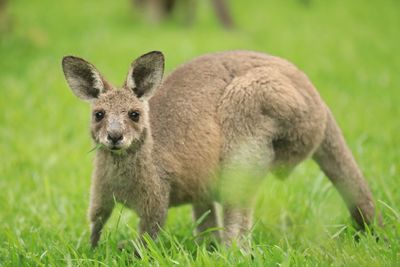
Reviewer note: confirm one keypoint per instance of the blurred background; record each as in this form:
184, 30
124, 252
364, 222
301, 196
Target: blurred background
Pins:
349, 49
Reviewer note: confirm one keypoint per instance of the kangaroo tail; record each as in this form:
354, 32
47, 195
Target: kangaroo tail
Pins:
337, 162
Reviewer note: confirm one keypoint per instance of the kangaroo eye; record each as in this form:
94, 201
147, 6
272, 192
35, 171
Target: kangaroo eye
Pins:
99, 115
134, 115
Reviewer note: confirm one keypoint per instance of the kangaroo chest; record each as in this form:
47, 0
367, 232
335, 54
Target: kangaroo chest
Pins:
124, 182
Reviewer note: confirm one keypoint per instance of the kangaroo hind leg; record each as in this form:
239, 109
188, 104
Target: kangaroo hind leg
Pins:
208, 215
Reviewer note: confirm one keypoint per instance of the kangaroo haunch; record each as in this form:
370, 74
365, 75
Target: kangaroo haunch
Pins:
208, 133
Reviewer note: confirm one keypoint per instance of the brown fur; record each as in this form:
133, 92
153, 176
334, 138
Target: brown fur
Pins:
220, 116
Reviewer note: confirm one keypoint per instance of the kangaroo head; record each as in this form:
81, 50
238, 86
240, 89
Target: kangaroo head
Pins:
119, 115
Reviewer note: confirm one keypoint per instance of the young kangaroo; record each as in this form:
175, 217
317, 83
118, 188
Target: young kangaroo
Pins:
216, 117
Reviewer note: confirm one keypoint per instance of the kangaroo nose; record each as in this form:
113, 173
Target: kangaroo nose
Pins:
114, 137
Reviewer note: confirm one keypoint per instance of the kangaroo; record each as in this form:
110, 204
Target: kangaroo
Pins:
161, 9
187, 139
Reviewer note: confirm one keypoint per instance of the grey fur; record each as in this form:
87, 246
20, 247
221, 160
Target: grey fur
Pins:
213, 121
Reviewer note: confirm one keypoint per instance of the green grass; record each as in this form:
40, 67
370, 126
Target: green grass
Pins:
349, 49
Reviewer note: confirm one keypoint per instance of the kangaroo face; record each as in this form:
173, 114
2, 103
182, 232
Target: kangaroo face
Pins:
119, 116
118, 119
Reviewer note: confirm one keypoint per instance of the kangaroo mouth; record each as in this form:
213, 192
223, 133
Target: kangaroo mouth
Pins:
115, 147
120, 147
117, 150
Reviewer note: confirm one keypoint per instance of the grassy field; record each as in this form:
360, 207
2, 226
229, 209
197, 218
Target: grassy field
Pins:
349, 49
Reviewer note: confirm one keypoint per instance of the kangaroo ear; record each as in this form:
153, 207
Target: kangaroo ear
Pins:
146, 74
83, 78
